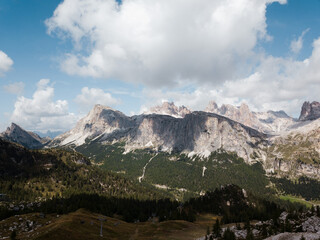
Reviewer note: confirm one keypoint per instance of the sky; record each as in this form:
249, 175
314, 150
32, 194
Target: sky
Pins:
60, 58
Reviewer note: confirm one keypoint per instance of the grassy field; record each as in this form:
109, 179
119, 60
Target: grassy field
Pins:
297, 200
83, 224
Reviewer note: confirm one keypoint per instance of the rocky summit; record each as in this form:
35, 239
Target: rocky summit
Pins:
310, 111
16, 134
169, 108
270, 122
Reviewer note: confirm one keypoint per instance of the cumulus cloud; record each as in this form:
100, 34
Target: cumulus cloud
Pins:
160, 42
91, 96
5, 63
297, 44
41, 112
187, 51
276, 84
16, 88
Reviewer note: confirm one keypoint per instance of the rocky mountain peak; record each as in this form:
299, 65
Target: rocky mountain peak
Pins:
310, 111
98, 108
16, 134
240, 114
212, 107
169, 108
100, 120
244, 108
13, 129
279, 114
270, 122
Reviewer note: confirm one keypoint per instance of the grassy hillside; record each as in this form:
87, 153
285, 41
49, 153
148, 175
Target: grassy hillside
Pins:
42, 174
84, 224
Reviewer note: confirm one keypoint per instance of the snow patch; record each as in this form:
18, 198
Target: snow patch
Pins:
191, 154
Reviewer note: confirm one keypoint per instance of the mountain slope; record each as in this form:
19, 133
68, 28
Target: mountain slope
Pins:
42, 174
297, 152
198, 133
16, 134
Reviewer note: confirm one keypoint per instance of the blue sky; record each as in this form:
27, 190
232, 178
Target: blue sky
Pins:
135, 55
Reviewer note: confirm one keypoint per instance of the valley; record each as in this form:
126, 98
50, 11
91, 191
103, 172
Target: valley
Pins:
178, 120
171, 163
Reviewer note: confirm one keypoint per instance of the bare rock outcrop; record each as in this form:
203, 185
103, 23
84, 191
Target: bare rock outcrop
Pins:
169, 108
271, 122
310, 111
16, 134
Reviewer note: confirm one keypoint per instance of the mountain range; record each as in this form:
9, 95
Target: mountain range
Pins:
167, 152
282, 144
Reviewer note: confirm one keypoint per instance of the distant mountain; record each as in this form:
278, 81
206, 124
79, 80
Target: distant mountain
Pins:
270, 122
169, 108
310, 111
16, 134
198, 133
48, 134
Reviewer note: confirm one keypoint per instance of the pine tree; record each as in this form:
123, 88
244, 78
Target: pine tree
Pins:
217, 229
208, 233
228, 235
249, 234
312, 210
13, 235
264, 231
288, 227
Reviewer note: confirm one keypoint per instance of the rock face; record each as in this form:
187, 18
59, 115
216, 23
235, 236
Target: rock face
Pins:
16, 134
310, 111
270, 122
297, 151
169, 108
198, 133
100, 121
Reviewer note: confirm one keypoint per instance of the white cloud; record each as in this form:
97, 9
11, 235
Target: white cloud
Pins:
160, 42
297, 44
91, 96
41, 112
276, 84
5, 63
16, 88
187, 51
